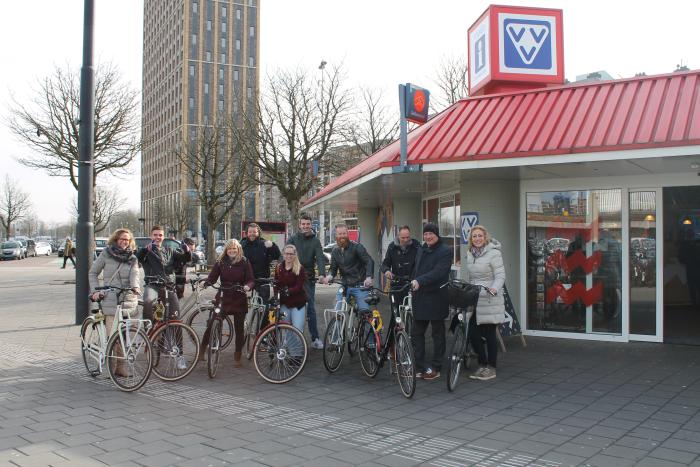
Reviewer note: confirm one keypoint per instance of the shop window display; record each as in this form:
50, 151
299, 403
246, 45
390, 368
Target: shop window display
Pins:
574, 259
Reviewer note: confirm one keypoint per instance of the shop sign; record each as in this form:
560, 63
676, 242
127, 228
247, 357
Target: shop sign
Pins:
468, 220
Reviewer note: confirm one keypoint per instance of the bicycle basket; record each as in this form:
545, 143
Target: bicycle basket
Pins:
463, 295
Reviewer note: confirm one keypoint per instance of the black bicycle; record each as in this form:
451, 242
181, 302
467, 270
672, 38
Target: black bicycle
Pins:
463, 297
215, 329
396, 345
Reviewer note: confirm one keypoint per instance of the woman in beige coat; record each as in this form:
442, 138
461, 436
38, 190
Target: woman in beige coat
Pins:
485, 267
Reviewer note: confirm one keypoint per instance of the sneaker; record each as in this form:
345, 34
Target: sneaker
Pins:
477, 373
430, 374
181, 363
487, 374
317, 344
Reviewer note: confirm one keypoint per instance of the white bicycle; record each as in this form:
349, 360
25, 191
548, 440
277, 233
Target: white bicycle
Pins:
125, 351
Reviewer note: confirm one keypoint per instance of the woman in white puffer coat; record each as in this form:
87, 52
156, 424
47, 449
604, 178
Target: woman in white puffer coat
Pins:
485, 267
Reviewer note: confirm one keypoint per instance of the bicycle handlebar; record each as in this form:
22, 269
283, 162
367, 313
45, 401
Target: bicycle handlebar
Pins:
460, 282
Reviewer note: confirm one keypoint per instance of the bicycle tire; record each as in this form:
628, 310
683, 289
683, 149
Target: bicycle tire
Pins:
138, 360
280, 353
175, 342
214, 348
368, 348
405, 364
456, 358
333, 345
408, 324
252, 333
198, 321
91, 346
353, 339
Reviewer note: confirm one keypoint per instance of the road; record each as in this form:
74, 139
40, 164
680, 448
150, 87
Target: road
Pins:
555, 402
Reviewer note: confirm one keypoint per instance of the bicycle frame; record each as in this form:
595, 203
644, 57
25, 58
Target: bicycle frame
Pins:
345, 310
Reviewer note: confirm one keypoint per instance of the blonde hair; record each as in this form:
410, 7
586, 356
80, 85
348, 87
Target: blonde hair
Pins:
487, 235
296, 265
233, 243
117, 233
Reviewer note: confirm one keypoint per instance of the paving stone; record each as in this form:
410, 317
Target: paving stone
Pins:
608, 461
673, 455
577, 449
681, 445
654, 462
163, 458
625, 452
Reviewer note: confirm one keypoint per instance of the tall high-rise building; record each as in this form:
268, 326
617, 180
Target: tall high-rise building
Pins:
200, 65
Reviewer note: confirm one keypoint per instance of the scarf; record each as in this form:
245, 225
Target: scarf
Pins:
121, 255
476, 252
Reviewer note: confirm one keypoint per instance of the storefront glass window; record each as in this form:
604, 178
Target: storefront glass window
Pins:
643, 262
444, 211
574, 259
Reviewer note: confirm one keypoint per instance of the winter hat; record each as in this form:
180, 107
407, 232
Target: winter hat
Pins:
430, 227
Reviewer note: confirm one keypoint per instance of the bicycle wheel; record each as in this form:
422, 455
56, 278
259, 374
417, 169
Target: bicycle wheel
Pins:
353, 340
280, 353
405, 364
177, 346
214, 348
251, 333
198, 321
129, 359
368, 349
91, 346
408, 324
333, 344
456, 357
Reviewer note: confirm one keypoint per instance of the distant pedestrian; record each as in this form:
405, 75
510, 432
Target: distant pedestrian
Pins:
68, 253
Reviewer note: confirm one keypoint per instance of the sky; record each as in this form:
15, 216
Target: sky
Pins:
379, 43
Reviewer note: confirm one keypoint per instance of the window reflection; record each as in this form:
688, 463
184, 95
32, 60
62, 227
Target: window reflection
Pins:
643, 263
574, 261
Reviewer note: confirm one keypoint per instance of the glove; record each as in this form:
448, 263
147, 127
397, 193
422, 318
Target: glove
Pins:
368, 282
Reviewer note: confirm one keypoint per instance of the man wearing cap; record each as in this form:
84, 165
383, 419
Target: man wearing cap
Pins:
430, 301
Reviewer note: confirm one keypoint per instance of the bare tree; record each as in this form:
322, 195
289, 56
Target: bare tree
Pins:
374, 125
14, 204
179, 215
49, 124
127, 219
288, 133
106, 203
217, 173
451, 80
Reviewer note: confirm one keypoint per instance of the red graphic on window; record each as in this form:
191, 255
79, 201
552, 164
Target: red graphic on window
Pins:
577, 291
577, 259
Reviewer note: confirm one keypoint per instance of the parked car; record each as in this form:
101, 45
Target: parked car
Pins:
11, 250
100, 244
327, 251
43, 248
219, 247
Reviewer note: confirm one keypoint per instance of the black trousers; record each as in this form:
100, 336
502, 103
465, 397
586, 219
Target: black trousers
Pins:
418, 338
65, 260
477, 334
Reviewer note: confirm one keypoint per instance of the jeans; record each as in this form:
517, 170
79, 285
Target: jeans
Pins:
310, 289
295, 315
418, 338
359, 294
150, 296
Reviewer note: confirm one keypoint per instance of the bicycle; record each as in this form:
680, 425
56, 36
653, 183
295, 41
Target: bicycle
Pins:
127, 344
215, 327
194, 313
176, 345
280, 350
253, 324
340, 320
406, 306
375, 351
464, 298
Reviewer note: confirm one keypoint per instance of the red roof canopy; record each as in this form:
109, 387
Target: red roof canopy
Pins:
637, 113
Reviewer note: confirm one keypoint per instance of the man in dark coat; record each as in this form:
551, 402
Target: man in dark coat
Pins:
430, 301
400, 259
261, 253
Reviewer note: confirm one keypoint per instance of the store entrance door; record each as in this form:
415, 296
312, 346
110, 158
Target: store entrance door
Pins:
682, 265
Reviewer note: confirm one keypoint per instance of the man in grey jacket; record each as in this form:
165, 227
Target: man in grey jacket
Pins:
310, 254
354, 264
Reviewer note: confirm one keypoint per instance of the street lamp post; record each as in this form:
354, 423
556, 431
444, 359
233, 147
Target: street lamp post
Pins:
85, 227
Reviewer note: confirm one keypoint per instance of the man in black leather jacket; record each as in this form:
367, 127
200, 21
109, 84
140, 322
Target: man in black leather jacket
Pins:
354, 264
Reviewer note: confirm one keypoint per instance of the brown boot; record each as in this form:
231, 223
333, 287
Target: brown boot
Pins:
236, 359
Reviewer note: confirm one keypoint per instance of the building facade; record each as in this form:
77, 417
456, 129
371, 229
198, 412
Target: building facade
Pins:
200, 67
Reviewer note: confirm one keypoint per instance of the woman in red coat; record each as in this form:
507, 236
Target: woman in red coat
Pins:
232, 268
290, 276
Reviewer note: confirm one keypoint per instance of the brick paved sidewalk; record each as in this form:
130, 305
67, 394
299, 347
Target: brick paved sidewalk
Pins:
556, 402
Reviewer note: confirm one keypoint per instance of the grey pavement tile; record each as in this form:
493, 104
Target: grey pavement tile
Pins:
155, 447
280, 459
662, 425
394, 460
163, 458
353, 455
507, 436
619, 423
109, 433
673, 455
236, 455
638, 442
577, 449
267, 447
671, 417
116, 444
681, 445
40, 436
78, 439
606, 431
532, 447
309, 452
200, 461
565, 430
655, 462
688, 435
11, 442
150, 436
78, 453
186, 440
625, 452
564, 459
42, 459
608, 461
648, 433
592, 440
195, 450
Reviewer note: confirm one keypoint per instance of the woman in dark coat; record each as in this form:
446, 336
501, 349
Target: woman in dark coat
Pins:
430, 301
232, 268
